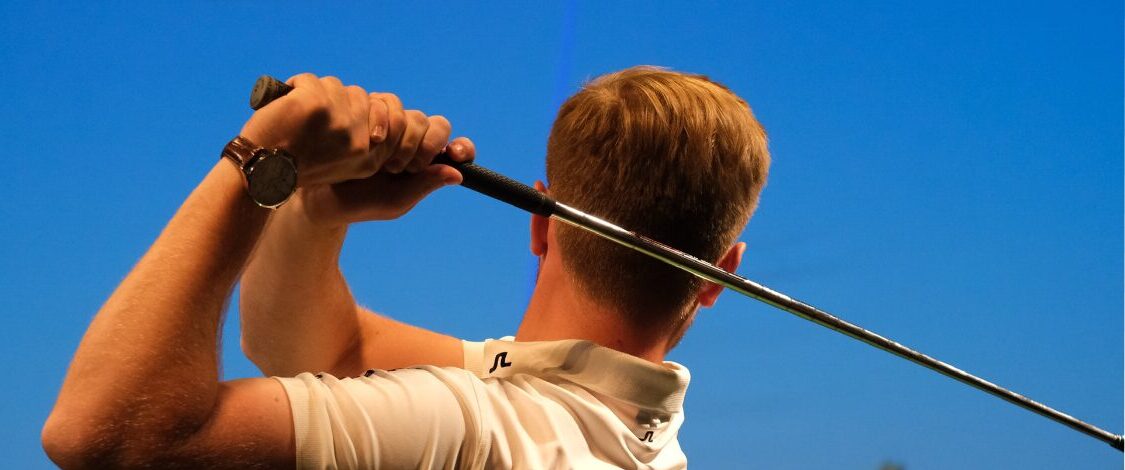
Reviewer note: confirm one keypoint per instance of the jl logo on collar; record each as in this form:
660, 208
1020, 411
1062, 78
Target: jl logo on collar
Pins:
501, 360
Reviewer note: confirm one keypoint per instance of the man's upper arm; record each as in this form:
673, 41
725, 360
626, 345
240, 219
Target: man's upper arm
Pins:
250, 427
408, 418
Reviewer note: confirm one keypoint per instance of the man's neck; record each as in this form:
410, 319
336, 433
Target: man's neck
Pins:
559, 310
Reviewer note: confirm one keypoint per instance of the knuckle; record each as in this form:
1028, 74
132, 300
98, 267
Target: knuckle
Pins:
440, 122
302, 76
417, 118
376, 104
391, 99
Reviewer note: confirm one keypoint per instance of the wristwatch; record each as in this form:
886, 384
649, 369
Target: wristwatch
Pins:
269, 174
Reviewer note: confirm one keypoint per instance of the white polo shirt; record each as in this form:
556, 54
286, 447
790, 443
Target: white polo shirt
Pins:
553, 404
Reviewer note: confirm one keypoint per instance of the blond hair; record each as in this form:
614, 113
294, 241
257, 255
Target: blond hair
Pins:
676, 157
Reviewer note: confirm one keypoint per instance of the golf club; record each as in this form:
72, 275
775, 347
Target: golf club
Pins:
500, 187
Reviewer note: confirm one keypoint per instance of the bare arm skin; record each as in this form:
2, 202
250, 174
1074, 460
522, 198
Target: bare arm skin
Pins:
298, 314
143, 389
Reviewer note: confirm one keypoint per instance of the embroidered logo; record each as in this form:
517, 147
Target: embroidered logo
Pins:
501, 360
647, 437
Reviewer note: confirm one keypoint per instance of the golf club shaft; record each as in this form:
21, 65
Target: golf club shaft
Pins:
762, 293
500, 187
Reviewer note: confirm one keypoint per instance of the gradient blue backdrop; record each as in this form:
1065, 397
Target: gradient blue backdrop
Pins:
947, 174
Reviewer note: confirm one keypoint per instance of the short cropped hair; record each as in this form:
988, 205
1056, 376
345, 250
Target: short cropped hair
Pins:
675, 157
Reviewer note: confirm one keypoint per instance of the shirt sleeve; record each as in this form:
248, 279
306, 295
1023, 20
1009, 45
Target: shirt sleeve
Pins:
424, 417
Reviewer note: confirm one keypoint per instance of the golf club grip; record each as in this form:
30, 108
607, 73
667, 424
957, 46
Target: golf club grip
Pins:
497, 186
474, 177
267, 89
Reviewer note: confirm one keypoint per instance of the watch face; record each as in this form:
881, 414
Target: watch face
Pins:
272, 179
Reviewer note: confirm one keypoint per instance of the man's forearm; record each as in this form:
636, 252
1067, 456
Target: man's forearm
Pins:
297, 312
147, 367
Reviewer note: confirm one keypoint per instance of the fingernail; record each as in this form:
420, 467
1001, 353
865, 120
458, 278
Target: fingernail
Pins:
457, 149
378, 134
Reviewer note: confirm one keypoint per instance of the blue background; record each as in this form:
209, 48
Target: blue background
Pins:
948, 174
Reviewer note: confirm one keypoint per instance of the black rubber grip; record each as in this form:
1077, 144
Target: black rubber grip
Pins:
474, 177
503, 188
267, 89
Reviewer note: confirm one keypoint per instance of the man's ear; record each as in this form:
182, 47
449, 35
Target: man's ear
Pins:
539, 227
729, 263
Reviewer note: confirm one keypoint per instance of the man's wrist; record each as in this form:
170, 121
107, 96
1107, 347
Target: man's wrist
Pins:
302, 210
233, 182
270, 174
261, 137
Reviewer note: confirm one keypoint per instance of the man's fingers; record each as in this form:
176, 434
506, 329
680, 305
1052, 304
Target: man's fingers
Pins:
335, 89
396, 122
461, 149
359, 106
304, 80
446, 173
383, 196
331, 83
416, 126
437, 135
405, 190
308, 85
377, 120
417, 186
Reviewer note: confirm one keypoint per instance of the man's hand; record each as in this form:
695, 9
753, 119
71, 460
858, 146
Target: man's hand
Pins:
325, 125
411, 142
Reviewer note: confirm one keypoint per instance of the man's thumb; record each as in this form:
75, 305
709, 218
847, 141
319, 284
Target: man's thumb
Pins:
430, 179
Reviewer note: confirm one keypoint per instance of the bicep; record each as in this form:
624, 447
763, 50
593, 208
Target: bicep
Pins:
251, 427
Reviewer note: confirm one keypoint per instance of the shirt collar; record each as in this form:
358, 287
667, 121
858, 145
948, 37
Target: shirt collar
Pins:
587, 364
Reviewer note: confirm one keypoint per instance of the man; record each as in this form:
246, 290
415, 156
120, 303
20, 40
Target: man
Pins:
582, 385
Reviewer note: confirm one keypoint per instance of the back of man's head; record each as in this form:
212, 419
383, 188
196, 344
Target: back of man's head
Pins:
673, 156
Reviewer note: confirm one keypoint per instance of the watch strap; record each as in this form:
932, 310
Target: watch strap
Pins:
240, 151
